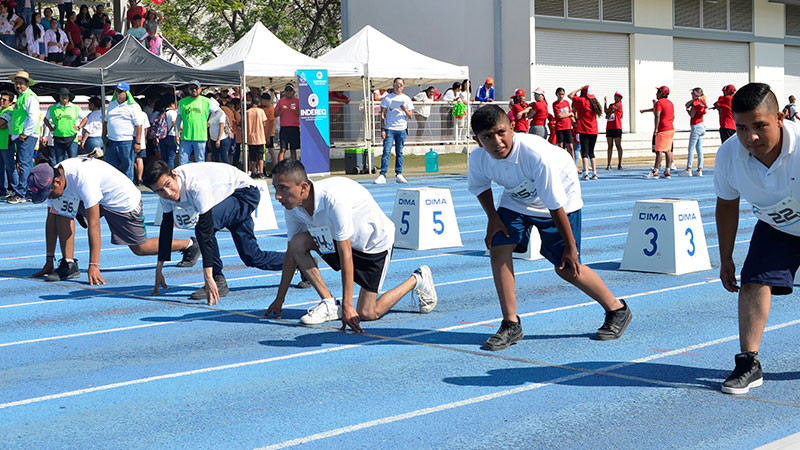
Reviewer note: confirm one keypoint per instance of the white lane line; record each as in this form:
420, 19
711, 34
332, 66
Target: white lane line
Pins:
787, 443
503, 393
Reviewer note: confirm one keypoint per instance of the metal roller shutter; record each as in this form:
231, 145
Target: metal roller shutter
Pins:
571, 59
791, 73
708, 65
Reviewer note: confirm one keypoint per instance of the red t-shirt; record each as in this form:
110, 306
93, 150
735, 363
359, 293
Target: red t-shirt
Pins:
74, 31
725, 112
289, 117
100, 50
587, 120
540, 113
562, 107
615, 118
551, 125
521, 124
699, 111
136, 11
667, 119
512, 119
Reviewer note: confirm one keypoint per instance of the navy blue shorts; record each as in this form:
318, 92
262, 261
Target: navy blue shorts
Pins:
519, 230
772, 259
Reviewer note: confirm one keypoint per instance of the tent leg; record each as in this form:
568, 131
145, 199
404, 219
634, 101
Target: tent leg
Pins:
243, 106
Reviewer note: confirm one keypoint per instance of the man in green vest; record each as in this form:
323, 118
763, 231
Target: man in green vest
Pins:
24, 130
193, 113
62, 119
8, 166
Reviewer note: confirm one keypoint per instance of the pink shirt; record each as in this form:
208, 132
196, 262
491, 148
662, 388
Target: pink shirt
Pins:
289, 117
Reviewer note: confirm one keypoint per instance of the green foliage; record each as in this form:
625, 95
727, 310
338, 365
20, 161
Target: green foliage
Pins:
204, 28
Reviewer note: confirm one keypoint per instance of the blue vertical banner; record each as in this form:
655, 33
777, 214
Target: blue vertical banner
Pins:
315, 125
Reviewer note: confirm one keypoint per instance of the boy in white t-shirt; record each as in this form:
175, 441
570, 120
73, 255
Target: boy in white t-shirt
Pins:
339, 219
86, 189
396, 109
540, 188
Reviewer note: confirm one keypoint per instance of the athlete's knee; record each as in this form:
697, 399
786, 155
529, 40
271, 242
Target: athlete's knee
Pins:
137, 250
300, 244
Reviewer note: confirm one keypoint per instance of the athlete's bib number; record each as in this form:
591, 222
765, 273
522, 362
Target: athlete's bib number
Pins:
784, 215
323, 238
185, 218
525, 192
66, 206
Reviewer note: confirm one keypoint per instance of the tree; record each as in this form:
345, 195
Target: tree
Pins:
203, 28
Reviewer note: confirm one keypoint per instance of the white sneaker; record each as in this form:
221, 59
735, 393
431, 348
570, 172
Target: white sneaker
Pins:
651, 175
380, 180
400, 178
585, 175
323, 312
425, 290
688, 172
673, 168
699, 172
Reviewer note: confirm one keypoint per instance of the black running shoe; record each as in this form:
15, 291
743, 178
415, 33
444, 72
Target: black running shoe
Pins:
81, 219
190, 254
222, 288
508, 334
746, 375
65, 271
616, 323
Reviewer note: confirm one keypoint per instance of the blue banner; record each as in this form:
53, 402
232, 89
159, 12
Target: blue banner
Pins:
314, 121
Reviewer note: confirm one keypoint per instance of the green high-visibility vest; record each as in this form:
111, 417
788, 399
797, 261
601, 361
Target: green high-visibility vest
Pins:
64, 119
19, 114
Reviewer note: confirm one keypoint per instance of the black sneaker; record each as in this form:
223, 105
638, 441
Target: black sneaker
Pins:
81, 220
746, 375
65, 271
508, 334
222, 288
190, 254
616, 323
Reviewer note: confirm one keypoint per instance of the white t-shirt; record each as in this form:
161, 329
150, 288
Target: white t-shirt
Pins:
145, 125
94, 124
172, 116
349, 211
122, 120
216, 118
771, 190
93, 181
425, 110
204, 185
396, 119
55, 36
536, 177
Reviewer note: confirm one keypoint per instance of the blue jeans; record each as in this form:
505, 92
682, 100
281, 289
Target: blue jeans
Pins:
398, 139
92, 143
189, 147
234, 213
27, 13
25, 160
120, 155
62, 152
168, 148
8, 167
696, 145
8, 39
221, 153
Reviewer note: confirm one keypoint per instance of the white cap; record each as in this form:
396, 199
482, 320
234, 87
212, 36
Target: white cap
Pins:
539, 91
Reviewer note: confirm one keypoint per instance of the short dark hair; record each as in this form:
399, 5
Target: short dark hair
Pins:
486, 117
8, 94
96, 102
265, 96
154, 171
293, 168
753, 95
560, 90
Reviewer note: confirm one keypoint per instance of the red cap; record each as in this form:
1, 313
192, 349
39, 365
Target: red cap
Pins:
663, 89
489, 80
729, 89
519, 92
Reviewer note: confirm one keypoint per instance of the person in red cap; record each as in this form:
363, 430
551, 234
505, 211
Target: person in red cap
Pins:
486, 91
564, 116
664, 132
696, 108
539, 114
588, 110
521, 111
727, 127
614, 128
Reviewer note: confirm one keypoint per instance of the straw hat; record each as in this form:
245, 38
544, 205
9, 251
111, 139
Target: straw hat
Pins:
22, 74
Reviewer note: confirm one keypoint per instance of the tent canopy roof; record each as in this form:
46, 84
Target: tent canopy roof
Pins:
386, 59
48, 77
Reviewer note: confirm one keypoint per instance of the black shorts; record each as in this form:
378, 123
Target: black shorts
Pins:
290, 138
614, 134
270, 143
55, 57
564, 136
255, 152
772, 259
127, 228
369, 269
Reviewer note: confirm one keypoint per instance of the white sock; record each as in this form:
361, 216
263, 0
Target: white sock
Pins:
418, 277
68, 260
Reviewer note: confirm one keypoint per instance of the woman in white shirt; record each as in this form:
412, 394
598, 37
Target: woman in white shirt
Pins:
92, 138
56, 41
423, 113
9, 23
34, 35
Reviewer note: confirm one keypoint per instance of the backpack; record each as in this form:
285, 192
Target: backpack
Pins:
161, 128
787, 112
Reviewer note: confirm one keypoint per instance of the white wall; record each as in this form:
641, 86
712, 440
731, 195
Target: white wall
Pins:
653, 13
768, 20
766, 66
652, 67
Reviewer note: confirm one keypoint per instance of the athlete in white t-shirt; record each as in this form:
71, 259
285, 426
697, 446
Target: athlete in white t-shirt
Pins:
208, 197
339, 219
86, 189
761, 164
540, 188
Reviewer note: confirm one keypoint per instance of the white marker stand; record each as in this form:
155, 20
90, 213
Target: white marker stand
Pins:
534, 244
666, 236
263, 216
424, 218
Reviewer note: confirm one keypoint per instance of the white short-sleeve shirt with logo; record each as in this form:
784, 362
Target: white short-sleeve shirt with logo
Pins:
396, 118
536, 177
773, 191
348, 211
205, 184
93, 182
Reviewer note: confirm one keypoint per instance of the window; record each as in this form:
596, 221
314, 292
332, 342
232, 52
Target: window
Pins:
720, 15
793, 20
603, 10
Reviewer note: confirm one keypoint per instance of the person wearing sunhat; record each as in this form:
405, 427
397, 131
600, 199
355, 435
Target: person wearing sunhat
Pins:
614, 128
193, 113
123, 129
727, 127
24, 129
62, 119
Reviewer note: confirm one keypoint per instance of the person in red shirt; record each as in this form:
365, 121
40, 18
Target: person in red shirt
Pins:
134, 9
288, 109
664, 131
614, 128
563, 115
696, 108
727, 127
521, 111
588, 110
551, 126
539, 114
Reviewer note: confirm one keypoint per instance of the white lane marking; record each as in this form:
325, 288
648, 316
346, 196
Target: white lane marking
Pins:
787, 443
